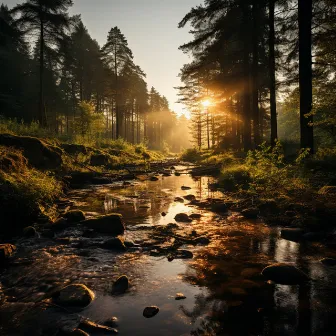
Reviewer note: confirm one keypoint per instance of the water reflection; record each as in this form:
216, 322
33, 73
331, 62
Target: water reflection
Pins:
225, 293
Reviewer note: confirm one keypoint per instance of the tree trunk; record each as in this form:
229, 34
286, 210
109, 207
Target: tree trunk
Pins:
305, 73
255, 73
41, 116
273, 105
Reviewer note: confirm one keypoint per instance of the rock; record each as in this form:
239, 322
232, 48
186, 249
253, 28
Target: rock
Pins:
202, 240
29, 232
74, 216
121, 285
182, 217
190, 197
328, 190
294, 234
110, 224
74, 149
112, 322
95, 328
177, 174
179, 199
74, 296
219, 207
250, 213
114, 244
328, 261
89, 233
314, 236
284, 274
39, 154
130, 243
150, 311
195, 216
98, 160
185, 188
180, 296
290, 214
154, 178
6, 252
60, 224
183, 254
48, 234
268, 205
163, 214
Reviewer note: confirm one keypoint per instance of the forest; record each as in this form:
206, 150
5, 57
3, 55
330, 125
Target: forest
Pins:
124, 211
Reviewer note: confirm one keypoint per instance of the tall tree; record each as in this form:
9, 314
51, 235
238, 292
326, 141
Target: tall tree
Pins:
49, 18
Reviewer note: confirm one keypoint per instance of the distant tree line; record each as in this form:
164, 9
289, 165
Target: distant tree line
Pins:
255, 60
54, 72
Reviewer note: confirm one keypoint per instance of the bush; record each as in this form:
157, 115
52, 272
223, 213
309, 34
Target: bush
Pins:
234, 178
191, 155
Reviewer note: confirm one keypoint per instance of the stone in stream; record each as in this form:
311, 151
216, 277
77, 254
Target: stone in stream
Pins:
177, 174
77, 295
185, 188
190, 197
250, 213
154, 178
115, 244
74, 216
60, 224
95, 328
112, 322
328, 261
195, 216
314, 236
202, 241
182, 217
180, 296
163, 214
284, 274
29, 232
121, 285
150, 311
219, 207
179, 199
6, 252
293, 234
112, 224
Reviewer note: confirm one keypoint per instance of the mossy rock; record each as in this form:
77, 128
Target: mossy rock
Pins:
29, 232
115, 244
74, 296
284, 274
74, 216
110, 224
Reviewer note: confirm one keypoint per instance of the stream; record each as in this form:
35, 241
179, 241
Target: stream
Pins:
225, 293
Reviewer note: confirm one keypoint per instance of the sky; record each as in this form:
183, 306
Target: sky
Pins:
150, 27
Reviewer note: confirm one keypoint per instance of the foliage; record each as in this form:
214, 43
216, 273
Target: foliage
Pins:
191, 155
235, 178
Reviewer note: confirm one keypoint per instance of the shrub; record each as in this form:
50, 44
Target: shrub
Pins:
191, 155
235, 177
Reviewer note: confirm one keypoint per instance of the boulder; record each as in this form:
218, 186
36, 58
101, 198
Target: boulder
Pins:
112, 224
112, 322
195, 216
150, 311
60, 224
268, 205
98, 160
284, 274
294, 234
74, 149
6, 252
250, 213
219, 207
183, 254
74, 296
39, 154
29, 232
177, 174
74, 216
190, 197
182, 217
202, 240
115, 244
329, 261
121, 285
179, 199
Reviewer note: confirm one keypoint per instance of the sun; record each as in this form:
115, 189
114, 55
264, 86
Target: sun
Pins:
206, 103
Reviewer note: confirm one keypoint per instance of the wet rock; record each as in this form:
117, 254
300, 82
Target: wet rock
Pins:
202, 241
89, 233
60, 224
294, 234
150, 311
180, 296
250, 213
112, 322
182, 217
328, 190
154, 178
29, 232
179, 199
328, 261
185, 188
190, 197
95, 328
314, 236
115, 244
48, 234
130, 243
163, 214
74, 296
195, 216
183, 254
219, 207
268, 205
121, 285
284, 274
6, 252
110, 224
74, 216
177, 174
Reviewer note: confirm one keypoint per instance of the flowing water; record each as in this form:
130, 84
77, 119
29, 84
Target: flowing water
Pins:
225, 294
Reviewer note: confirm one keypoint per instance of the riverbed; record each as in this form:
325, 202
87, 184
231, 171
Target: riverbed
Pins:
225, 293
